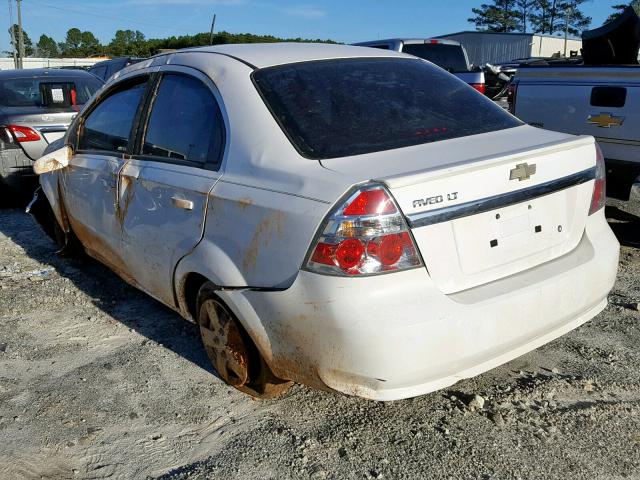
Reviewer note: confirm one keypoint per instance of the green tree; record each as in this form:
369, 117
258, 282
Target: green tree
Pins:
72, 42
89, 44
28, 44
524, 9
551, 16
621, 8
47, 47
128, 43
502, 16
543, 19
571, 18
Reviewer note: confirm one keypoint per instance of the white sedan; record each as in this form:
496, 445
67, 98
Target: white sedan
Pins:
347, 218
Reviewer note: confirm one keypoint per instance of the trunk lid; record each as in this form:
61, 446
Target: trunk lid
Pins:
507, 207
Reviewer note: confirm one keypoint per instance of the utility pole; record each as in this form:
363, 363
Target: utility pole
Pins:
13, 46
20, 37
566, 28
213, 23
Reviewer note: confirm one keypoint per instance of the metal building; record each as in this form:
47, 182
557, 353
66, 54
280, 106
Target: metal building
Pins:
493, 47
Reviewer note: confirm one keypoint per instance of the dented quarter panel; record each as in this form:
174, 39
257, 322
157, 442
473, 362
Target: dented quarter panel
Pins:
254, 237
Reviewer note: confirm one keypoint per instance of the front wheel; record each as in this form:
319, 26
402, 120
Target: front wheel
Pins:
233, 354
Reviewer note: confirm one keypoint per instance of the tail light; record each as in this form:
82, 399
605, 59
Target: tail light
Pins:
479, 87
599, 197
365, 235
24, 134
512, 93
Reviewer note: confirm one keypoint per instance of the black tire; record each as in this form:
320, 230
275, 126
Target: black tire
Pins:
66, 243
233, 354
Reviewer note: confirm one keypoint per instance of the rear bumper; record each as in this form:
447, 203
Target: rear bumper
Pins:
395, 336
16, 169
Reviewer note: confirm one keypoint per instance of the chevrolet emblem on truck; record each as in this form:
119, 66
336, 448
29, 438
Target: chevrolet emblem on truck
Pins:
523, 171
605, 120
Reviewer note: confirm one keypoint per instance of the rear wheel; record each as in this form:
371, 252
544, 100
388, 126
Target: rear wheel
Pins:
233, 354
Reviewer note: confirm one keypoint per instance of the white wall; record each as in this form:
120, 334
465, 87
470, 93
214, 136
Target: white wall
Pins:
7, 63
547, 46
501, 47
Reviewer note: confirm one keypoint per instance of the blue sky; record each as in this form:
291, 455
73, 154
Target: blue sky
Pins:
341, 20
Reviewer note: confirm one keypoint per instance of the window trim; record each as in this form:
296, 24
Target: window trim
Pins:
112, 90
143, 123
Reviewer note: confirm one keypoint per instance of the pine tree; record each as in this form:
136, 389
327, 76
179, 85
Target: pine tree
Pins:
502, 16
621, 8
47, 47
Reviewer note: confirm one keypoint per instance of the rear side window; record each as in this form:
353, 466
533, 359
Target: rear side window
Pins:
449, 57
337, 108
108, 125
48, 93
185, 122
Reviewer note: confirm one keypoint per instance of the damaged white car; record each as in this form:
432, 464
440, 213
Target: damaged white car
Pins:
347, 218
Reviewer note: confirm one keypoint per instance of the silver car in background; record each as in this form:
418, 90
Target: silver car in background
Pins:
36, 107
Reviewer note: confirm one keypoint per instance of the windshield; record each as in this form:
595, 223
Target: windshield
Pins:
47, 93
449, 57
337, 108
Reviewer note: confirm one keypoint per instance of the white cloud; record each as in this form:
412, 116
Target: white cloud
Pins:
306, 11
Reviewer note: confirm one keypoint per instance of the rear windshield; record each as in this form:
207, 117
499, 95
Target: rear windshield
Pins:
338, 108
47, 93
449, 57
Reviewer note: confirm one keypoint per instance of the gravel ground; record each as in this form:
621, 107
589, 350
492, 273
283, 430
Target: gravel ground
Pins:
98, 380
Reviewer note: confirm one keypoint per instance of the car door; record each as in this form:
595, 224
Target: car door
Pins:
164, 187
90, 183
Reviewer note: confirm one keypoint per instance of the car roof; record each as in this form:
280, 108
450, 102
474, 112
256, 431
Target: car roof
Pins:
261, 55
43, 73
408, 40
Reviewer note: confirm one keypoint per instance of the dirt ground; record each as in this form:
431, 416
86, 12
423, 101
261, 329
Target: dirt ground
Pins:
99, 381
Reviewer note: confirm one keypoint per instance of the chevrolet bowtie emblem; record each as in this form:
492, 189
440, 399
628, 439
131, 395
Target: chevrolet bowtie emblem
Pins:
605, 120
523, 171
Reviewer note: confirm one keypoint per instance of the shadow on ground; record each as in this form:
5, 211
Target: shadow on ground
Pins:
625, 225
108, 292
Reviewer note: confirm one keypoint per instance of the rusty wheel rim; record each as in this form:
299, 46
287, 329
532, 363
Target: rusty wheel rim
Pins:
223, 343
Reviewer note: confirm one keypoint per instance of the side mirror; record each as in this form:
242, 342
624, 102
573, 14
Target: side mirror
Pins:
56, 160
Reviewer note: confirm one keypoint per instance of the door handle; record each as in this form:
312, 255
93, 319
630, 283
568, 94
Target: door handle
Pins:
182, 203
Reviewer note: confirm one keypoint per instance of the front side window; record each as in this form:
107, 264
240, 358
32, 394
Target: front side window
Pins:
108, 125
343, 107
185, 122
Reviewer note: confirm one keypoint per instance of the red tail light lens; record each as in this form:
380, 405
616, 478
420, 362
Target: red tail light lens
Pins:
365, 235
24, 134
479, 87
599, 197
370, 202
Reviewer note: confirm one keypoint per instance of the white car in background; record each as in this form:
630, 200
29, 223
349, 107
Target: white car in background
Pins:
348, 218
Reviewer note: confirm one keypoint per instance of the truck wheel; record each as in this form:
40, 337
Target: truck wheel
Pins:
233, 354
